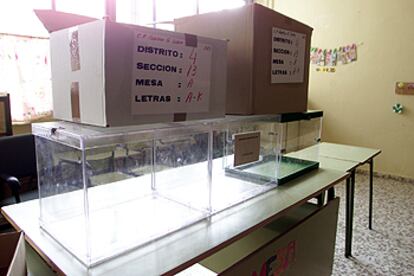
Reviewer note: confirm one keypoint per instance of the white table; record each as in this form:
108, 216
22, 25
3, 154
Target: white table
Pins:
344, 158
185, 247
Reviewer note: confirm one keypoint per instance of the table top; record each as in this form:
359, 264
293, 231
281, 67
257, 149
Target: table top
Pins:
347, 152
185, 247
313, 154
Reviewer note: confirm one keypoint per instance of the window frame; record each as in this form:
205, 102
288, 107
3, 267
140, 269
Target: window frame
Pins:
111, 11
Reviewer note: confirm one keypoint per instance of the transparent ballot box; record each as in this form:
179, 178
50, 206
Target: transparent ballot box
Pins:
299, 150
299, 134
301, 130
107, 191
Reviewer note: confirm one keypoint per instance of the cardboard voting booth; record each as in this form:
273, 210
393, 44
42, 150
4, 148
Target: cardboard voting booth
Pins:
268, 58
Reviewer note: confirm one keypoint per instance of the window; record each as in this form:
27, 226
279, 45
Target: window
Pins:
24, 54
166, 11
17, 17
216, 5
137, 12
24, 60
91, 8
161, 13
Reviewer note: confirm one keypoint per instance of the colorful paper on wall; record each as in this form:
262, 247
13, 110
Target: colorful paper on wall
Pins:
333, 57
314, 56
353, 53
321, 57
342, 56
329, 58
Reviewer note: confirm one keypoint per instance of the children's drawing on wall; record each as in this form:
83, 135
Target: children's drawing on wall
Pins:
327, 59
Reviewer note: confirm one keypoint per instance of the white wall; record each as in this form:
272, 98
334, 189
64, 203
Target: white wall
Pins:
358, 98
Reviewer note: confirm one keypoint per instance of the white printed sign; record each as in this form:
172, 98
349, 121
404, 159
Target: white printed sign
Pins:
288, 56
169, 76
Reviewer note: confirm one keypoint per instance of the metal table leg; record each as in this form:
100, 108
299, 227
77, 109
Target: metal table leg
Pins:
352, 208
349, 213
321, 199
331, 193
371, 190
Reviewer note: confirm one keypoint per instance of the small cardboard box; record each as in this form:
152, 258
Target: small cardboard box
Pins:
268, 57
12, 254
111, 74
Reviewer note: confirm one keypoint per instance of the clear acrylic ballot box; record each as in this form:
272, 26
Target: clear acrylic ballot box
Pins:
299, 134
106, 191
301, 130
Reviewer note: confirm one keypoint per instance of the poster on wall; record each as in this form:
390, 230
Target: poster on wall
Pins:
170, 75
288, 56
333, 57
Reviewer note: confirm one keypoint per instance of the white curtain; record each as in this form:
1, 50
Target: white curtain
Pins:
25, 75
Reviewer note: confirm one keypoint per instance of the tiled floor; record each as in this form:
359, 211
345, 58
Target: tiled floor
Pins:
388, 249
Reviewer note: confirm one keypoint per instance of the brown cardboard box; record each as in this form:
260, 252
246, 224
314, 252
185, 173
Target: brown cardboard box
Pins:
250, 33
12, 254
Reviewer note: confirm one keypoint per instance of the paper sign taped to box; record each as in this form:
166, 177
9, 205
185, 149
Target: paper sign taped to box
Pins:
246, 148
288, 56
170, 74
